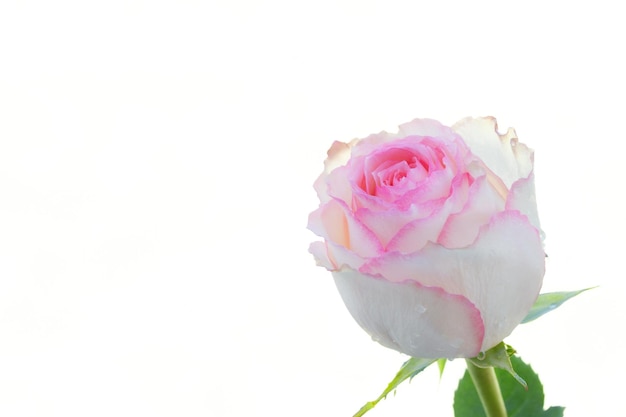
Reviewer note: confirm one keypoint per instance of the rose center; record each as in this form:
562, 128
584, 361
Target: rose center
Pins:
391, 173
401, 173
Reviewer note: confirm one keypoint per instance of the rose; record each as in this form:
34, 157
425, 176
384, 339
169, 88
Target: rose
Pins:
432, 235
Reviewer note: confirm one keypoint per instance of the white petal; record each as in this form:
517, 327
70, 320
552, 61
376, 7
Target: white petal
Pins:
410, 318
338, 155
522, 198
425, 127
361, 147
320, 253
503, 154
501, 273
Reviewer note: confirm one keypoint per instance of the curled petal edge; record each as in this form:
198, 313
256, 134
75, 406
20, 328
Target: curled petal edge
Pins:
508, 158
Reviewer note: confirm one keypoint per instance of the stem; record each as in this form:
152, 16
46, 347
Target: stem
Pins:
488, 390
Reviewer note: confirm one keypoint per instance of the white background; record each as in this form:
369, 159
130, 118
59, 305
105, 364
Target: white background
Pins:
156, 163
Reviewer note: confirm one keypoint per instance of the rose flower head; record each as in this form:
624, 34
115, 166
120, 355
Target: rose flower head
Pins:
432, 235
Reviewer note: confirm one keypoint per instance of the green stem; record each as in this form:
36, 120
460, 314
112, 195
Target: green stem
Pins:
488, 390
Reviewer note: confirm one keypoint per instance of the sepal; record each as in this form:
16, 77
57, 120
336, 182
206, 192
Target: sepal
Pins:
518, 400
499, 357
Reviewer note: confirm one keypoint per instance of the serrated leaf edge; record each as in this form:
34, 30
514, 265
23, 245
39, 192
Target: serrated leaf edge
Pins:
405, 372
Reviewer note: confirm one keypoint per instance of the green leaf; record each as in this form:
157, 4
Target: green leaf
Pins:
554, 412
519, 402
409, 369
548, 302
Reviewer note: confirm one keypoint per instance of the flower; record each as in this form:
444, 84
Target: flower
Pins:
432, 235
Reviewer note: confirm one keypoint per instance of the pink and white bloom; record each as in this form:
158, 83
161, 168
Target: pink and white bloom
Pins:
432, 235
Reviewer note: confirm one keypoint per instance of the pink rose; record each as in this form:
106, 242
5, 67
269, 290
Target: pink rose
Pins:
432, 235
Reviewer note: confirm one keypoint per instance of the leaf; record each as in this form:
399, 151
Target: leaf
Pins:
554, 412
409, 369
519, 402
548, 302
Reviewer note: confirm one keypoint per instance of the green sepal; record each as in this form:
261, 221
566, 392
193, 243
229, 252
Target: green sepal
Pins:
519, 402
408, 370
498, 357
441, 364
548, 302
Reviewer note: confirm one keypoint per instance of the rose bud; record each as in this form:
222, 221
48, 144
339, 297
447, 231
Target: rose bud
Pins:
432, 235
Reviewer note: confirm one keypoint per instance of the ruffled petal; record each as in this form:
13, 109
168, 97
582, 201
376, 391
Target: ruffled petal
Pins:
416, 234
338, 155
386, 224
367, 145
338, 185
425, 127
320, 253
522, 198
336, 223
503, 154
500, 273
419, 321
462, 228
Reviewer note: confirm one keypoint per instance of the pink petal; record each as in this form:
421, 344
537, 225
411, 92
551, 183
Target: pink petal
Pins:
462, 228
501, 273
334, 257
320, 253
415, 235
336, 223
341, 257
503, 154
386, 224
419, 321
338, 185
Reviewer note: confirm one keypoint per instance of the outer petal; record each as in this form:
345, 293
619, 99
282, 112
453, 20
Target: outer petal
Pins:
320, 253
522, 198
501, 273
419, 321
425, 127
338, 155
335, 223
334, 257
503, 154
338, 185
366, 145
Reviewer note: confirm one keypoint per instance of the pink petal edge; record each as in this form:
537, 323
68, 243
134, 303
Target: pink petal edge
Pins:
411, 318
506, 258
